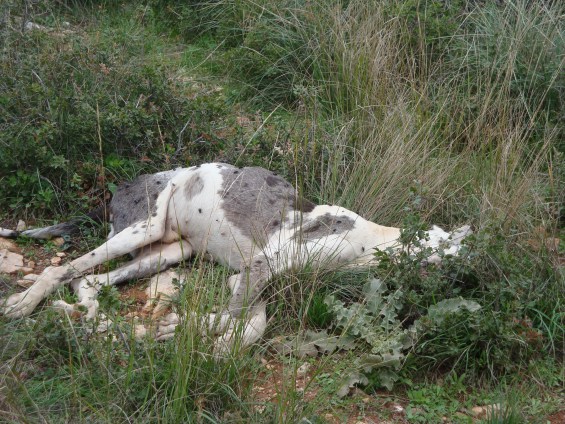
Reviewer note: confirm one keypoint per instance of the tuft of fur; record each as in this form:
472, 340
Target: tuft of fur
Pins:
69, 228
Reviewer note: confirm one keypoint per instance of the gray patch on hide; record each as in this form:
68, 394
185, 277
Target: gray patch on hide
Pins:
325, 225
256, 201
135, 201
193, 186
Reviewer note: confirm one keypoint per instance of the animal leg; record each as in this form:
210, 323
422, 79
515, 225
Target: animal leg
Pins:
245, 321
127, 241
210, 324
248, 285
225, 322
236, 332
156, 258
243, 333
160, 292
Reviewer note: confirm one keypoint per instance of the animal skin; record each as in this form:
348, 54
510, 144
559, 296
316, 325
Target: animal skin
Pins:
248, 219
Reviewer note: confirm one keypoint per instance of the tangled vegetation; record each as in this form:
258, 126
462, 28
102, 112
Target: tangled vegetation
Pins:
409, 112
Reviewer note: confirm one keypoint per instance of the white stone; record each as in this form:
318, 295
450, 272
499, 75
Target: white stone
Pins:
8, 245
11, 262
303, 369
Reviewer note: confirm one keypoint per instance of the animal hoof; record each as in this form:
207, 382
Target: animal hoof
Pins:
166, 327
85, 308
223, 349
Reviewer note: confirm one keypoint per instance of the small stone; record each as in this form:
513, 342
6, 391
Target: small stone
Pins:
21, 226
485, 411
396, 407
33, 26
58, 241
31, 264
61, 254
303, 369
477, 411
8, 245
11, 262
56, 261
264, 361
26, 270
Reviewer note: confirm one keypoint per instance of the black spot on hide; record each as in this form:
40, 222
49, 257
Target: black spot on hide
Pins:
193, 186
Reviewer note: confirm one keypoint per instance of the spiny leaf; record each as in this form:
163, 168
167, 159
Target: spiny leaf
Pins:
438, 312
350, 381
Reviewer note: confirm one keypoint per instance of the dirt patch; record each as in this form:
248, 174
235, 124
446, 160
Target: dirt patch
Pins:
278, 382
557, 418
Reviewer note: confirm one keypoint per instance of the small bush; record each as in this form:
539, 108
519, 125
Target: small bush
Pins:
475, 314
79, 111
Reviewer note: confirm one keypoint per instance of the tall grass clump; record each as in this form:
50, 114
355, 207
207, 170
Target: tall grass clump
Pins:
386, 113
397, 133
376, 101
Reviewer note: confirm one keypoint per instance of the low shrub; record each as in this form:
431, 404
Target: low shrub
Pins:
80, 110
477, 313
